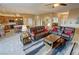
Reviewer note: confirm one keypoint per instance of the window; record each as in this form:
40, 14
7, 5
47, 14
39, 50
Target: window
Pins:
30, 21
55, 19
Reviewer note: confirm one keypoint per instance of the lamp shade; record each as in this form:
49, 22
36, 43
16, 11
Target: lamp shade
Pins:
24, 28
49, 26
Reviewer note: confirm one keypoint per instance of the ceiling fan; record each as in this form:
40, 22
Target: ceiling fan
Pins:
54, 5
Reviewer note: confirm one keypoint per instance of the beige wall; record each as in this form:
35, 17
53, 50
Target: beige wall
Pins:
74, 13
72, 18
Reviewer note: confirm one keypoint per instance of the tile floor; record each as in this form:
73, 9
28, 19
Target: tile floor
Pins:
11, 45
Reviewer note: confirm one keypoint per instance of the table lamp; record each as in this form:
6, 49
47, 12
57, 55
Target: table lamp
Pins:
49, 26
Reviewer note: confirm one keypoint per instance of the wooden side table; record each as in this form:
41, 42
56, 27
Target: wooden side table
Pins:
25, 38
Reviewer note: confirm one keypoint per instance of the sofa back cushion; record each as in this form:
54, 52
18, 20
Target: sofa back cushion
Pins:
68, 31
38, 29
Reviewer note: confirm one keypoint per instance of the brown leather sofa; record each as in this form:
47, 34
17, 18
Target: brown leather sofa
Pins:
39, 32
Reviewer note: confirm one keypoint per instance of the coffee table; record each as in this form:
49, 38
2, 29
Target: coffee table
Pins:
52, 38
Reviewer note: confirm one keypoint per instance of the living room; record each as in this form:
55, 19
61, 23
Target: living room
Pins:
25, 25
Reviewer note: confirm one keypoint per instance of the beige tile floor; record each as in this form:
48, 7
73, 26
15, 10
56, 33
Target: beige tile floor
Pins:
11, 45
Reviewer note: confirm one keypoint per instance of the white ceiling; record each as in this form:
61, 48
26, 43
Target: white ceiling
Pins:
34, 8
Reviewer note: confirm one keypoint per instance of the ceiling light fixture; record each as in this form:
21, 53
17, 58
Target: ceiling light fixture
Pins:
16, 19
56, 5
